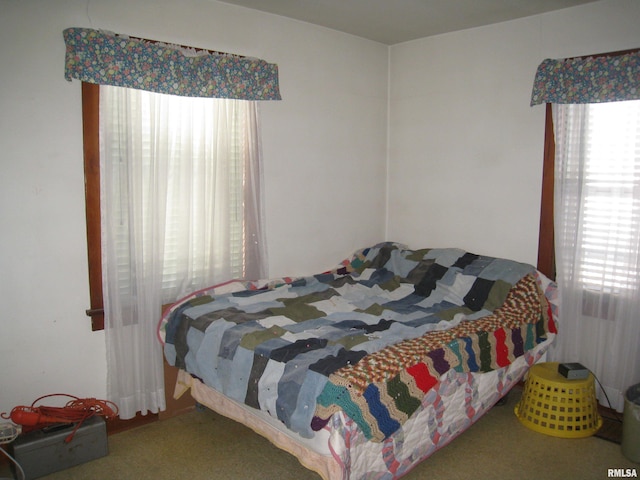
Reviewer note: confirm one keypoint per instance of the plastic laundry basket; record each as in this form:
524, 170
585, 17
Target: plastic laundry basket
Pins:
631, 424
556, 406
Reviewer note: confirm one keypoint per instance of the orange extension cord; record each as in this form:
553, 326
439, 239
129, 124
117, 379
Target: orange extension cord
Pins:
76, 411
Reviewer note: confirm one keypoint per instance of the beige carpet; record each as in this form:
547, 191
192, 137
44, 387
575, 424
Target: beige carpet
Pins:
203, 445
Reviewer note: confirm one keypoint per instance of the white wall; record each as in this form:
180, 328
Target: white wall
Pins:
324, 165
466, 148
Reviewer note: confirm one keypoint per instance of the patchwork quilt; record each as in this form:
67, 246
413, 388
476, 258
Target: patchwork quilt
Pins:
370, 338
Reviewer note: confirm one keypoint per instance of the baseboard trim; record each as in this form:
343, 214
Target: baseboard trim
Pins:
117, 425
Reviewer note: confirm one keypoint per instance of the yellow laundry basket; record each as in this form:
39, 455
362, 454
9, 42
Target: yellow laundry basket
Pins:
554, 405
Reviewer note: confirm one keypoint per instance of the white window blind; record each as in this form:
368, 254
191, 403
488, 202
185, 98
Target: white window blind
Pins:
611, 207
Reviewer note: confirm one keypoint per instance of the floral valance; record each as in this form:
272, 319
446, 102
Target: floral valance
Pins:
109, 59
588, 80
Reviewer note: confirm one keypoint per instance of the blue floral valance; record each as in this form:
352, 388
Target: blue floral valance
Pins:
108, 59
588, 80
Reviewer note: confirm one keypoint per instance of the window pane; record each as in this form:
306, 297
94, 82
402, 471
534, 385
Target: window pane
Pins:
175, 176
612, 196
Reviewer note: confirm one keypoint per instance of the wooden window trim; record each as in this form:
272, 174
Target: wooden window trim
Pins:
91, 136
546, 250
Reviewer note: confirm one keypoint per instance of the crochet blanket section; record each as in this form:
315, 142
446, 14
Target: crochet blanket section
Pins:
385, 388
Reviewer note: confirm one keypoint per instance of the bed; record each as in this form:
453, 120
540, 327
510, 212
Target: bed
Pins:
365, 370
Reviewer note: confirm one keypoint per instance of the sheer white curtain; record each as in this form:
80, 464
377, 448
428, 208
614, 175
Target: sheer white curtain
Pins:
597, 236
181, 211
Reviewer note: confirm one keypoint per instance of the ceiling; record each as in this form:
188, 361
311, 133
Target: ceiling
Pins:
397, 21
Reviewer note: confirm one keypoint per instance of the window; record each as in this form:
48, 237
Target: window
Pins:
611, 210
612, 171
177, 171
599, 202
601, 186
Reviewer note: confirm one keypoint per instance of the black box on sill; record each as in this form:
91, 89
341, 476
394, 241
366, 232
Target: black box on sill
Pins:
41, 452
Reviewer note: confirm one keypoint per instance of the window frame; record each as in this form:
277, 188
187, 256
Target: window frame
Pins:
92, 177
546, 234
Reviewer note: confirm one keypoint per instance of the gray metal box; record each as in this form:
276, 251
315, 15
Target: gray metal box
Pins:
42, 452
